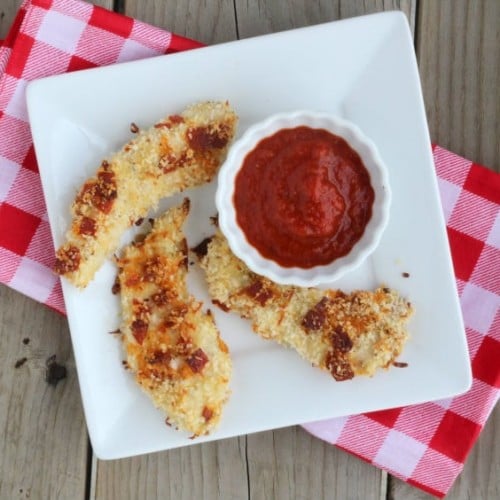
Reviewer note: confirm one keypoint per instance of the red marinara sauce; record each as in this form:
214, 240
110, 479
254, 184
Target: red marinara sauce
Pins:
303, 197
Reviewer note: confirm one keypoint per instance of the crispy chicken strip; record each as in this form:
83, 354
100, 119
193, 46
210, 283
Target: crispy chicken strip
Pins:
180, 152
345, 334
172, 346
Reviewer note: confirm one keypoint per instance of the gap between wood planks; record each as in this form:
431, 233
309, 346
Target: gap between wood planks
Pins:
119, 6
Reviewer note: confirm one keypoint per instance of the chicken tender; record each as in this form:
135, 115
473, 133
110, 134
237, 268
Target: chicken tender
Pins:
346, 334
173, 347
180, 152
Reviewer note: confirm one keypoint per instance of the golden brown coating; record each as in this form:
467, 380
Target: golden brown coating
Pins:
345, 334
173, 347
180, 152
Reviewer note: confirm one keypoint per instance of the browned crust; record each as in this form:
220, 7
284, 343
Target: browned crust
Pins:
346, 334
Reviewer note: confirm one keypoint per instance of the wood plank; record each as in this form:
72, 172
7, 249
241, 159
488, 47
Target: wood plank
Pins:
268, 16
458, 46
44, 446
350, 8
211, 470
290, 463
209, 22
459, 54
8, 9
480, 476
43, 450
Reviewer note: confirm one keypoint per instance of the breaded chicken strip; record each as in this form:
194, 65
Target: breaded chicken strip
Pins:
172, 346
180, 152
346, 334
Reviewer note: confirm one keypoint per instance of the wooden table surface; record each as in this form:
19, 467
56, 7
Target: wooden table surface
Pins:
44, 449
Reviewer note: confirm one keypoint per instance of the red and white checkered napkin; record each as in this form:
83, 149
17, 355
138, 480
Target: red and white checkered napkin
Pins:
425, 445
50, 37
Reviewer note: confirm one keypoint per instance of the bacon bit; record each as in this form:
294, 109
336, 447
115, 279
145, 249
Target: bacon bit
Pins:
204, 138
166, 124
171, 162
386, 290
202, 248
340, 340
186, 205
197, 360
258, 292
87, 226
160, 357
214, 219
104, 206
67, 260
134, 128
139, 330
114, 332
167, 422
399, 364
151, 222
125, 364
139, 221
20, 362
207, 413
84, 197
220, 305
100, 194
139, 239
315, 317
106, 177
185, 252
338, 366
176, 119
405, 275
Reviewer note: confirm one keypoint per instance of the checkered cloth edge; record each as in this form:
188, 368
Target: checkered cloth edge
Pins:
425, 445
50, 37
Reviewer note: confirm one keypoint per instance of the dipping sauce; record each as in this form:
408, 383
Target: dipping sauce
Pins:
303, 197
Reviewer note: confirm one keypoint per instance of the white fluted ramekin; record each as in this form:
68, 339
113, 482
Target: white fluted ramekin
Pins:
294, 275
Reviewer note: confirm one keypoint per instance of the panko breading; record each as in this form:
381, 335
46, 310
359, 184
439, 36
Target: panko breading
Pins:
180, 152
345, 334
172, 346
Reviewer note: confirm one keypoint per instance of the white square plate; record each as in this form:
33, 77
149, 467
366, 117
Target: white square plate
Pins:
363, 69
